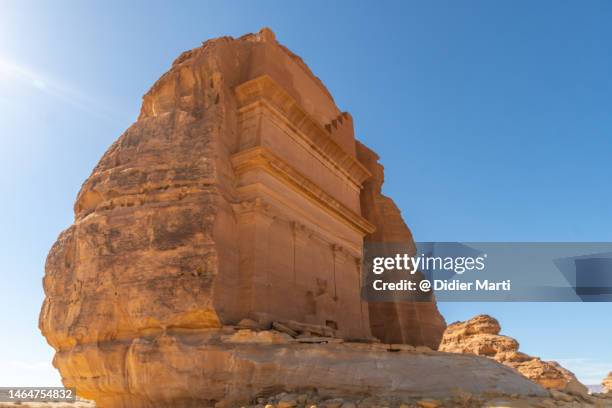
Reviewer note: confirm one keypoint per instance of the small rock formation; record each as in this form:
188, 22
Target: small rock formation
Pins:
607, 383
480, 336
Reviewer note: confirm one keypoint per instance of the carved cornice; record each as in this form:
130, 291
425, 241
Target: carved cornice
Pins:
264, 91
300, 231
261, 157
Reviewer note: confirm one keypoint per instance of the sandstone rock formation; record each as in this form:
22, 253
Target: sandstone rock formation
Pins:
225, 367
607, 383
394, 322
480, 336
239, 200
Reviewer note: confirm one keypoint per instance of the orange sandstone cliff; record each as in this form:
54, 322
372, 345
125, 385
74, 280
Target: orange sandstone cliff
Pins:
394, 322
215, 254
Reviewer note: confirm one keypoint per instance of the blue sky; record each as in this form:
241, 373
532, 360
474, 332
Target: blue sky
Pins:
493, 120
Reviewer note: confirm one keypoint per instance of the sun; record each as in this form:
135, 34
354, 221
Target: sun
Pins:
13, 72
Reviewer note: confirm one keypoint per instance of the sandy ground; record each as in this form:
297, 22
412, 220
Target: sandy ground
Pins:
80, 403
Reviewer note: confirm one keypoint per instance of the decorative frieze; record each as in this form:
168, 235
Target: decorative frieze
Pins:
264, 92
263, 158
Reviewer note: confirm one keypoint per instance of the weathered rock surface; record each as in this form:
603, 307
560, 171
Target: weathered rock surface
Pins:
607, 383
213, 367
417, 323
238, 198
480, 336
459, 398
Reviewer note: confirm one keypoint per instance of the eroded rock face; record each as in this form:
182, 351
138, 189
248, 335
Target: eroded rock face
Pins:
399, 321
607, 383
480, 336
239, 195
236, 367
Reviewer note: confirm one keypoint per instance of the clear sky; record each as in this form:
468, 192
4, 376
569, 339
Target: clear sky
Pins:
493, 119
